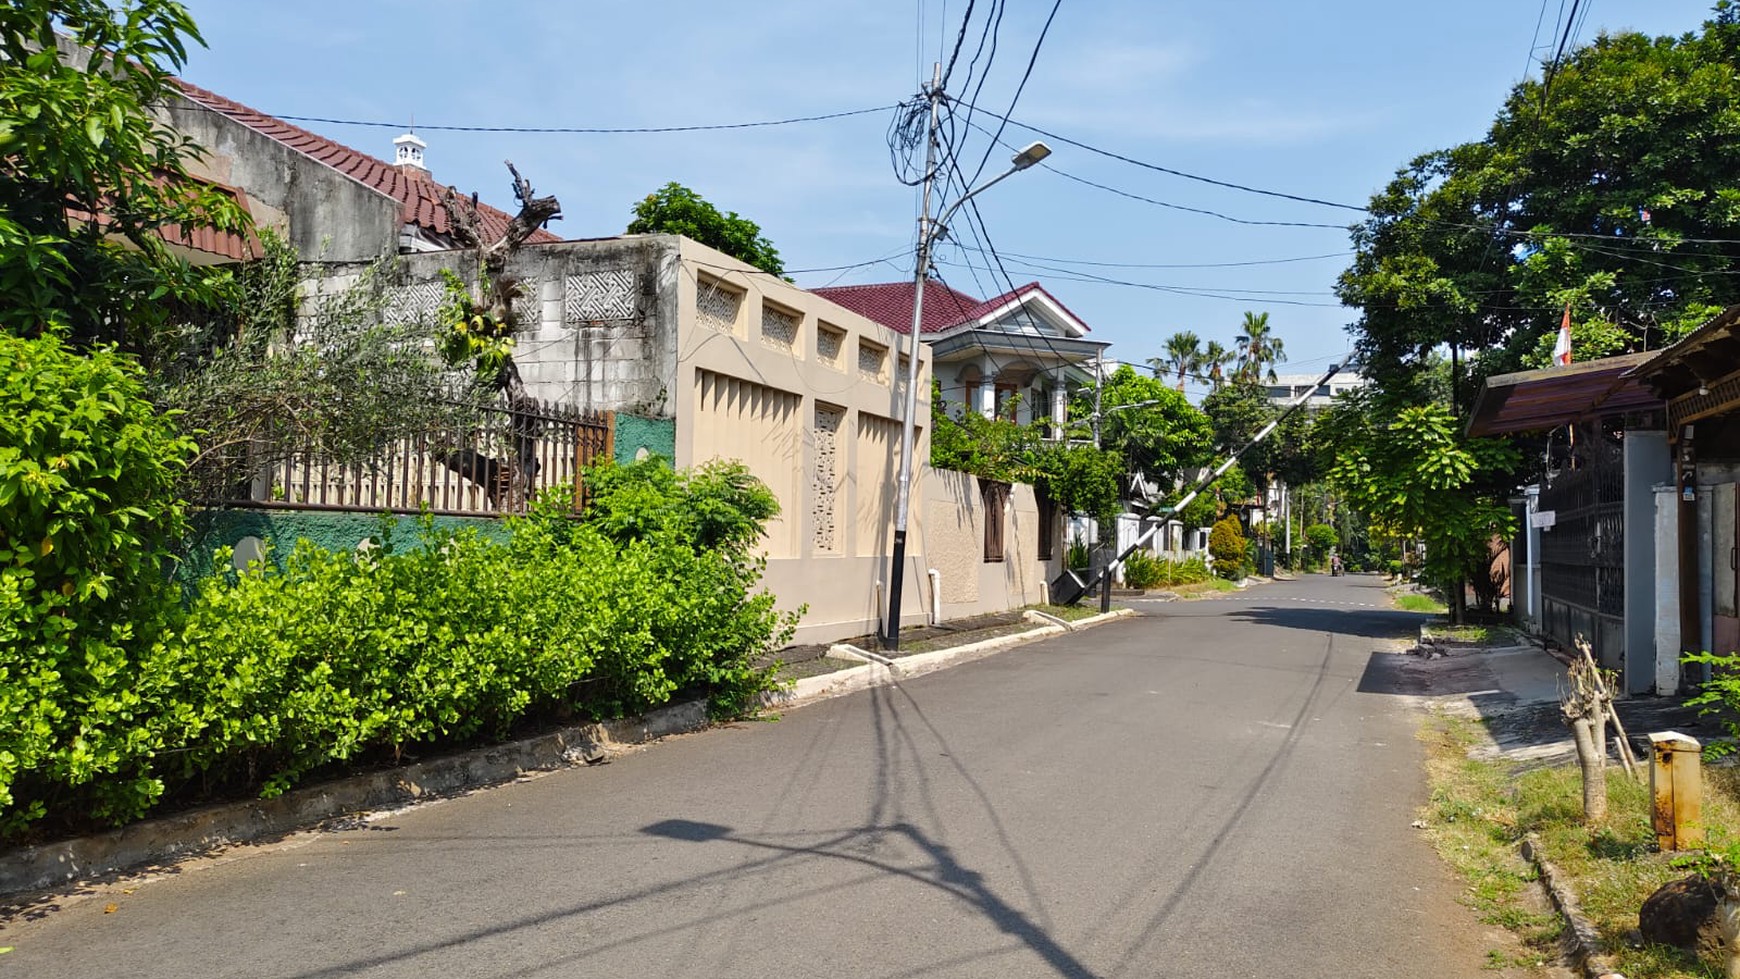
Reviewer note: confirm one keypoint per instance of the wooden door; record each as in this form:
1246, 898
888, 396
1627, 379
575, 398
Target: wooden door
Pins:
1726, 604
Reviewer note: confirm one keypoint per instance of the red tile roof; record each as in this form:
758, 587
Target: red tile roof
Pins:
890, 303
418, 192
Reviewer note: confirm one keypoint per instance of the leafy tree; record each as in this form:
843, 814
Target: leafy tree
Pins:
1183, 356
91, 184
1321, 539
676, 210
1147, 424
1414, 474
1614, 193
1259, 349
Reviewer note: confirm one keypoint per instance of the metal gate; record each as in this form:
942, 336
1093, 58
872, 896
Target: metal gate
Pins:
1583, 552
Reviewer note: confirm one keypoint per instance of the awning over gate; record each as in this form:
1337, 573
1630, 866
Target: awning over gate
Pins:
1529, 401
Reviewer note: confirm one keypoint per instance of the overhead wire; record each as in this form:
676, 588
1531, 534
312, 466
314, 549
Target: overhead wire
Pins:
588, 130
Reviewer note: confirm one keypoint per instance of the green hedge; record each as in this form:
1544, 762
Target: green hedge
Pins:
441, 640
88, 514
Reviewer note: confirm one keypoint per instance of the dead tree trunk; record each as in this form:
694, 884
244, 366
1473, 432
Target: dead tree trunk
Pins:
1584, 710
511, 479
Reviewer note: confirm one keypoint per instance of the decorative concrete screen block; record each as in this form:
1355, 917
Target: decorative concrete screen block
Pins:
825, 478
413, 303
830, 341
779, 327
717, 305
873, 361
528, 313
600, 297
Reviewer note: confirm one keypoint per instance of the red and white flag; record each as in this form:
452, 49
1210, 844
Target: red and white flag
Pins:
1562, 349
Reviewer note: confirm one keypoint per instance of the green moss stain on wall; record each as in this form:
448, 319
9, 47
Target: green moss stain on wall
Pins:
658, 436
281, 529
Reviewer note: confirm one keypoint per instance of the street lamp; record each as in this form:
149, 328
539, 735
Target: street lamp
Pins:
928, 233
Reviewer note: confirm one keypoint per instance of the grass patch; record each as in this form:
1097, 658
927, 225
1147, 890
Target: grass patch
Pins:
1419, 603
1480, 811
1210, 587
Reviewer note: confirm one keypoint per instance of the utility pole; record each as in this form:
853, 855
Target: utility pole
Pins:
928, 232
903, 492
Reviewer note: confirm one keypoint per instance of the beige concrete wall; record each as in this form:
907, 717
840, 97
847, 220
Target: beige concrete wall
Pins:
952, 537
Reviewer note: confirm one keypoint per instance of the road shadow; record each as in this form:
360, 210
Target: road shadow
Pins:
1365, 623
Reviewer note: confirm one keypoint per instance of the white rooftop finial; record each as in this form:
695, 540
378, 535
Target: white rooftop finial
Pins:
408, 151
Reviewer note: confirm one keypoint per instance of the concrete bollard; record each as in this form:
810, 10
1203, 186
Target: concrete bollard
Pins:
1676, 789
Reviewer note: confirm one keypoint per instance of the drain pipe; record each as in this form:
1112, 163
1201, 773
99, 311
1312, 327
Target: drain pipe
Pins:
935, 596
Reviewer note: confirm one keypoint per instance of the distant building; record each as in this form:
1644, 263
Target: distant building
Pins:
1286, 387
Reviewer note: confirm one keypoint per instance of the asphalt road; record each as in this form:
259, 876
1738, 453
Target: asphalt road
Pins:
1204, 791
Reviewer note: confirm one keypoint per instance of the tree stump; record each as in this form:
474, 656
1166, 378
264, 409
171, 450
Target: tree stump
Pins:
1696, 914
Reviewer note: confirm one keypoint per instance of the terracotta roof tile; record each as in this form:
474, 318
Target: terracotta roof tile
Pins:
890, 303
418, 193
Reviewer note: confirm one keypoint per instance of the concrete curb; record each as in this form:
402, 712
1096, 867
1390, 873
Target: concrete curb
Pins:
68, 862
851, 680
1585, 943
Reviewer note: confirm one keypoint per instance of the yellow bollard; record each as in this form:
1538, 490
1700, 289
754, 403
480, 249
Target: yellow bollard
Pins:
1676, 781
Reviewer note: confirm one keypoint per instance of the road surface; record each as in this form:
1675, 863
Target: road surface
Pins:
1213, 789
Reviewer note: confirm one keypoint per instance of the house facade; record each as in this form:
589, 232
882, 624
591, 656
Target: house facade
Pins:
1018, 356
693, 355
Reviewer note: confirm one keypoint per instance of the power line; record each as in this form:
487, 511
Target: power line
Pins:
1230, 185
1020, 87
1192, 210
587, 130
1189, 265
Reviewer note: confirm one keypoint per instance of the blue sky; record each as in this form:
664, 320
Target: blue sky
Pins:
1317, 100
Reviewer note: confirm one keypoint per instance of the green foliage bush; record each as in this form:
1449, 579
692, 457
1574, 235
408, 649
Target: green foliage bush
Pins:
1226, 544
1145, 570
440, 640
87, 517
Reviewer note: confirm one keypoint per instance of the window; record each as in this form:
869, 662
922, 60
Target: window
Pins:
996, 498
1008, 400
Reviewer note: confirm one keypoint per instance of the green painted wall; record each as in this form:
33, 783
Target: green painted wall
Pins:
333, 530
658, 436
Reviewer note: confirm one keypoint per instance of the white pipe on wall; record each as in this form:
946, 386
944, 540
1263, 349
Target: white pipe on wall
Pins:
935, 596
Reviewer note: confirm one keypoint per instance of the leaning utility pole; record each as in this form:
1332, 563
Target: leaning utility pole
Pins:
1103, 579
903, 491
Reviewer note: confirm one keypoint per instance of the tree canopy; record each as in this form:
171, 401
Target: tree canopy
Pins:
676, 210
1149, 425
90, 182
1611, 187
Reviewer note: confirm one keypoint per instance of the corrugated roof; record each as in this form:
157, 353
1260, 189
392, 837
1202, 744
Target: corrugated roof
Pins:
1529, 401
417, 191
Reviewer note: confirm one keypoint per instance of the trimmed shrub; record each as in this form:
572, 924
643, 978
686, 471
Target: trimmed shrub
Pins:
1226, 544
433, 640
1144, 570
88, 515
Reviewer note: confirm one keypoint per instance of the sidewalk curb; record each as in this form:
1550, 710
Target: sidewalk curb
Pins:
168, 838
1585, 943
851, 680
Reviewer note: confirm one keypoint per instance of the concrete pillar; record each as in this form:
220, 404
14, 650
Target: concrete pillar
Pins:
1667, 589
1676, 790
1532, 611
1647, 462
1059, 406
987, 398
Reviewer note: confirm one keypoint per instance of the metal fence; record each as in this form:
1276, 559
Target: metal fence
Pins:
493, 460
1583, 553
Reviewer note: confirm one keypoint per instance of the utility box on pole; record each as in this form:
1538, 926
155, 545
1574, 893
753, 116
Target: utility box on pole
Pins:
1676, 790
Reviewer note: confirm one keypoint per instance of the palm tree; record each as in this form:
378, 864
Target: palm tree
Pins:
1183, 355
1215, 360
1259, 349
